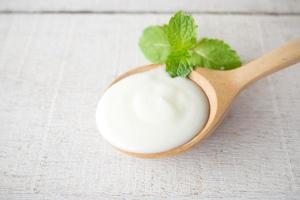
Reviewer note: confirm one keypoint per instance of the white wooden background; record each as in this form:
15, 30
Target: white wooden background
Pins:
56, 58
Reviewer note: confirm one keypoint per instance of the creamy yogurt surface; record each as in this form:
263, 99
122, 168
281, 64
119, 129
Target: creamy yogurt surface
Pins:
151, 112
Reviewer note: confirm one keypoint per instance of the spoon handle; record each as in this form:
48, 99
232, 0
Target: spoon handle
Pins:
271, 62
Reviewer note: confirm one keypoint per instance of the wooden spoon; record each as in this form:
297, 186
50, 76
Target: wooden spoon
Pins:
221, 87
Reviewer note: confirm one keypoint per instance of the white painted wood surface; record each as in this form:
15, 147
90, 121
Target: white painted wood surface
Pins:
228, 6
53, 69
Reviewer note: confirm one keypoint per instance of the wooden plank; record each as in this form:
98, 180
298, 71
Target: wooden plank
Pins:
239, 6
53, 69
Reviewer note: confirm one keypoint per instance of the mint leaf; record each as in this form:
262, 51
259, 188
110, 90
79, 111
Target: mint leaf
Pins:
214, 54
181, 31
175, 44
154, 44
178, 64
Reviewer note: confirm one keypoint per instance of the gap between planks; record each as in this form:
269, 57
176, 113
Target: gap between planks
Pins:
258, 13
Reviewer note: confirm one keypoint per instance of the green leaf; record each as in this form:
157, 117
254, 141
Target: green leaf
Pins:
175, 44
181, 31
178, 64
214, 54
154, 44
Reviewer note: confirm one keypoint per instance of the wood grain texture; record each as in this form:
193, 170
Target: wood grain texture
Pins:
53, 69
215, 6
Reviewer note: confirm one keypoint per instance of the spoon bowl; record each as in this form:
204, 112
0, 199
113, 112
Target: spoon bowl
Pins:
221, 88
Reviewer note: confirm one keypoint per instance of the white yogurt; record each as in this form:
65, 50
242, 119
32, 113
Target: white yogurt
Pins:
151, 112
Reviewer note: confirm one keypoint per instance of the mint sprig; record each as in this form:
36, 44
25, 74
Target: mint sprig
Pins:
176, 45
